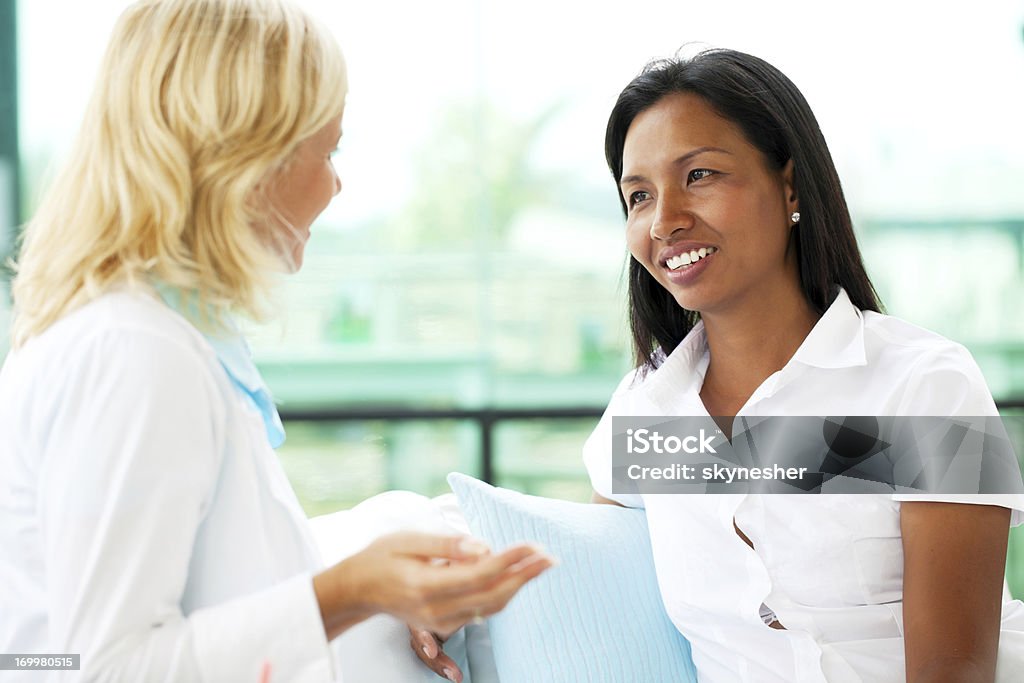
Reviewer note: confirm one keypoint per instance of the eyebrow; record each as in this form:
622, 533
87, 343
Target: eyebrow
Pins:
678, 162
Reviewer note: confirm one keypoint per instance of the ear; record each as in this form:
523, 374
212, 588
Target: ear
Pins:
792, 201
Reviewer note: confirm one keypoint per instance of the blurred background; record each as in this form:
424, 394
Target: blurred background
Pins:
462, 302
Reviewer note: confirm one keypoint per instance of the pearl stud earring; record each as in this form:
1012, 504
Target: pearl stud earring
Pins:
795, 217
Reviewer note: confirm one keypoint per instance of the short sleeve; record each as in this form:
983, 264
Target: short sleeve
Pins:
597, 451
947, 382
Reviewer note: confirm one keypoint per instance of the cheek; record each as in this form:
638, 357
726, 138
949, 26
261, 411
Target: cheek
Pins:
759, 230
638, 241
325, 186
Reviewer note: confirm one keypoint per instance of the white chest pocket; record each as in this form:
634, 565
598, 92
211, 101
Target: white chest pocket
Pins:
879, 552
830, 550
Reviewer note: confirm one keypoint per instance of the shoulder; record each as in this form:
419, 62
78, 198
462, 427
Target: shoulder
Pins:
121, 365
119, 334
938, 375
126, 313
126, 320
896, 343
897, 334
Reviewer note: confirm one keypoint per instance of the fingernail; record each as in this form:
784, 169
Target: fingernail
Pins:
471, 546
539, 558
450, 675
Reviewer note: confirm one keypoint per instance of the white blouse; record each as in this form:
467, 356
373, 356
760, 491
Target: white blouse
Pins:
145, 521
829, 566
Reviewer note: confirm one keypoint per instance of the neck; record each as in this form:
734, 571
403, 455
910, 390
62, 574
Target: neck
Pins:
750, 342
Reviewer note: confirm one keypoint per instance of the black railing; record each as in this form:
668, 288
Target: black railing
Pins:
485, 418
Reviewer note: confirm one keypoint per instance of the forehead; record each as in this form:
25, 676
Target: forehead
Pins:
675, 124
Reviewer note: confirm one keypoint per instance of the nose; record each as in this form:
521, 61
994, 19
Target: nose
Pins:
672, 213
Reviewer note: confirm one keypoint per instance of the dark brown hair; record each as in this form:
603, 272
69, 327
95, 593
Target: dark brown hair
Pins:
775, 118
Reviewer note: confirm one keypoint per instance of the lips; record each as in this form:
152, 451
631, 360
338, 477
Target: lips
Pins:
686, 274
689, 257
690, 247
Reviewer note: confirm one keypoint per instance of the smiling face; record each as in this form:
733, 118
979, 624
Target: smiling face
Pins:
708, 217
302, 190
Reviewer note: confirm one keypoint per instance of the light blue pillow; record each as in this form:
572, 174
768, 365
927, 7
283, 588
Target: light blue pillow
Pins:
595, 618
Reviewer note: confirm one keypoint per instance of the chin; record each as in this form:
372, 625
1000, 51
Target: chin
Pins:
294, 256
289, 262
688, 303
294, 263
687, 299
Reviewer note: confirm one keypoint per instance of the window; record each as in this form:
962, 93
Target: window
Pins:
474, 259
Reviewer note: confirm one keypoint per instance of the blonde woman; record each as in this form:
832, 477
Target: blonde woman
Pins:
146, 523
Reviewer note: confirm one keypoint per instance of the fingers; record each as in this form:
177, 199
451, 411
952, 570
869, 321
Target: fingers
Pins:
428, 649
424, 643
441, 599
430, 546
495, 598
462, 579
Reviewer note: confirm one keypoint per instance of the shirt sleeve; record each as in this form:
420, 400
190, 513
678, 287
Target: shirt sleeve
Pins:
133, 439
597, 451
947, 382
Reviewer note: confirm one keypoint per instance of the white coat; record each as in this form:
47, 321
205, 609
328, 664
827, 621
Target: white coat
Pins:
145, 522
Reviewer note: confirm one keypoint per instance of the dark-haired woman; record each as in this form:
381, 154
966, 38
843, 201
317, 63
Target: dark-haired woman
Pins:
748, 296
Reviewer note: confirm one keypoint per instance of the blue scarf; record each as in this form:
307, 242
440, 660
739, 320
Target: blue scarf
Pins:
235, 357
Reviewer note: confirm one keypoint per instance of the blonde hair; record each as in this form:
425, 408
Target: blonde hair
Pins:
197, 105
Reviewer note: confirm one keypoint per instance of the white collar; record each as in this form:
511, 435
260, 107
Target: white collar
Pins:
835, 341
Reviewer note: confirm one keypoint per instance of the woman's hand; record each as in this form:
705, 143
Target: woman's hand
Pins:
596, 497
428, 647
398, 574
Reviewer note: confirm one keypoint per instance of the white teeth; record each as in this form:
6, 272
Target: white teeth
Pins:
687, 258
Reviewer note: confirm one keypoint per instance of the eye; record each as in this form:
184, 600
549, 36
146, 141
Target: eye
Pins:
637, 197
699, 174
